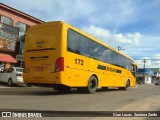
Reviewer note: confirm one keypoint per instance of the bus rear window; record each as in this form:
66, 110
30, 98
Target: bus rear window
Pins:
42, 38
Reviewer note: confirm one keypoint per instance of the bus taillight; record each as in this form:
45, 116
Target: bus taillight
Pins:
59, 65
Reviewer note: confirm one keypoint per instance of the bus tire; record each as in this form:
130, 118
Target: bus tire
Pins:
92, 85
126, 86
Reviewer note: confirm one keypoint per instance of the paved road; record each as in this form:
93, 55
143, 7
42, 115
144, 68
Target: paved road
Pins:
39, 98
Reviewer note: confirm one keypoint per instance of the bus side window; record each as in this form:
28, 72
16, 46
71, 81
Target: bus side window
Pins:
73, 42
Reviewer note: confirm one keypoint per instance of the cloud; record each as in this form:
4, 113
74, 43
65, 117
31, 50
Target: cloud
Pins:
70, 11
112, 14
109, 36
151, 62
115, 13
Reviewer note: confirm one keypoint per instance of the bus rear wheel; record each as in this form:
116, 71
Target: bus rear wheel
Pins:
92, 85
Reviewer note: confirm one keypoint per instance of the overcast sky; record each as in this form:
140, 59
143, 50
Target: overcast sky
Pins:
132, 24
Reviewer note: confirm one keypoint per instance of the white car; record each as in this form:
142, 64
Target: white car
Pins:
13, 75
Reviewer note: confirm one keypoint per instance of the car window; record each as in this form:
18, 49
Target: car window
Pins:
5, 70
10, 70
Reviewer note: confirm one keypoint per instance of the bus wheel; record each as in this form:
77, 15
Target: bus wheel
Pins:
92, 85
126, 87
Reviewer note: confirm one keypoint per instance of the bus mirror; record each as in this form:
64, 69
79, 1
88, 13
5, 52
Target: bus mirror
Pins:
135, 67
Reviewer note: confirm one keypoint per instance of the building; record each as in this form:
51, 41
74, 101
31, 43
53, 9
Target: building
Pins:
146, 75
156, 72
13, 27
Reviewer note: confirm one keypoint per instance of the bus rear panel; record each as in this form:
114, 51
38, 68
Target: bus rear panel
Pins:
43, 60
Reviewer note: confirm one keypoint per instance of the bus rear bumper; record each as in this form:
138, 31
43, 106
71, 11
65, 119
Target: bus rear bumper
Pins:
49, 78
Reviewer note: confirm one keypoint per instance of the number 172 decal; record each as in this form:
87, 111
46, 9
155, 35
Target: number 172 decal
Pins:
79, 61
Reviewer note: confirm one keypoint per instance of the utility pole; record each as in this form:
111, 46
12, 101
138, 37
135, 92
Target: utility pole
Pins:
119, 48
144, 67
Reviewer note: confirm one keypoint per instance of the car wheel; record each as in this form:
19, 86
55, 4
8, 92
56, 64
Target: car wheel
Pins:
10, 83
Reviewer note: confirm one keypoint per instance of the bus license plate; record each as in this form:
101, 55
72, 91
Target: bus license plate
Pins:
39, 68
